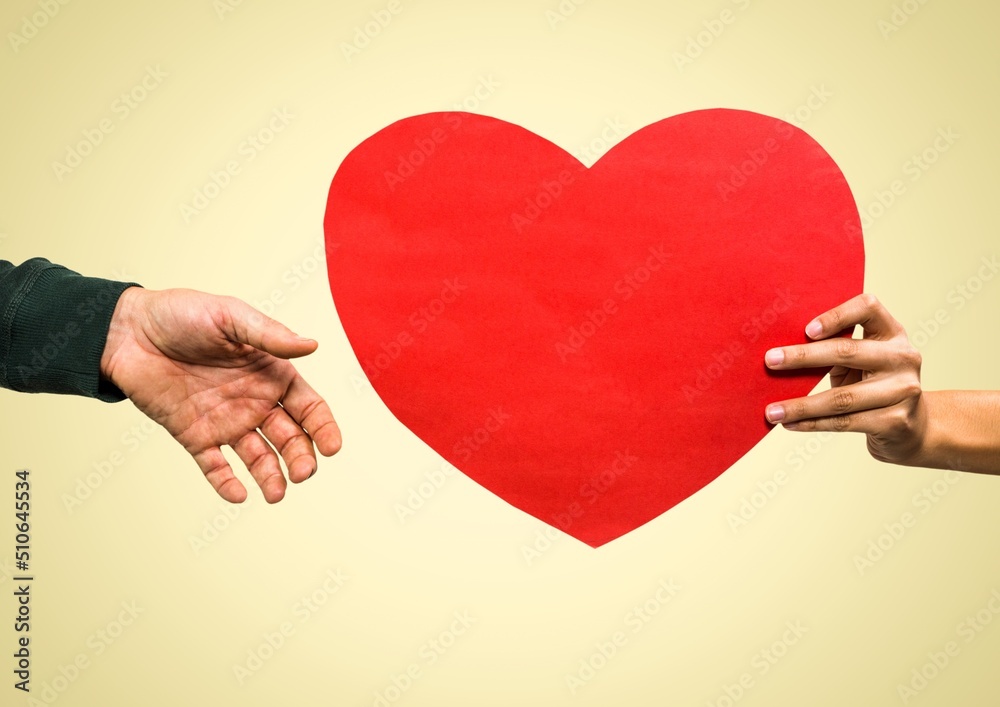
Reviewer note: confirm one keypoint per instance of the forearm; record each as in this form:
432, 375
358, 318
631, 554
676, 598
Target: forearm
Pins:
963, 431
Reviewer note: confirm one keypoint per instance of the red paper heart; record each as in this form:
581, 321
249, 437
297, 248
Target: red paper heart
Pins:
588, 344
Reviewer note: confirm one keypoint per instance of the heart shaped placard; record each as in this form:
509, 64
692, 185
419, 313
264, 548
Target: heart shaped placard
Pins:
588, 343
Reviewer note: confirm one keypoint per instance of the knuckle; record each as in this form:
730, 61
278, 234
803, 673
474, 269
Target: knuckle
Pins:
912, 389
796, 410
847, 348
834, 321
899, 422
841, 423
912, 357
291, 444
843, 401
905, 356
870, 301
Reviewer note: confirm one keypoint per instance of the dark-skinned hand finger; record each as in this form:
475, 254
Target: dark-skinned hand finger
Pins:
870, 422
873, 394
865, 310
858, 354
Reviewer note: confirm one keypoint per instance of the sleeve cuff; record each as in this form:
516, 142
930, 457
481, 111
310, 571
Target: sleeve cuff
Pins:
58, 327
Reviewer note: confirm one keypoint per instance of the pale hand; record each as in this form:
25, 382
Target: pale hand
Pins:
214, 372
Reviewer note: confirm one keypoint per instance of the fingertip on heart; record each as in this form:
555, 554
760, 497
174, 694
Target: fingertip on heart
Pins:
774, 357
775, 413
814, 329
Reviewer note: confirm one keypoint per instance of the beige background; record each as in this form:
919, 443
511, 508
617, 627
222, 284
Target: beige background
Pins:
206, 607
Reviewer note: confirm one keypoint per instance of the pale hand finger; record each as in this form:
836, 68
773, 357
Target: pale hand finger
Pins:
311, 412
262, 462
865, 310
218, 472
246, 325
292, 443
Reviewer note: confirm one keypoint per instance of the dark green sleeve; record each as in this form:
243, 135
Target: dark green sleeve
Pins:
53, 327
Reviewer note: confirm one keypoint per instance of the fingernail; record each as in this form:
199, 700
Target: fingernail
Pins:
306, 339
775, 413
814, 329
774, 357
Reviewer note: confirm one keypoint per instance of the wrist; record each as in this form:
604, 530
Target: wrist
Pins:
120, 331
921, 440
